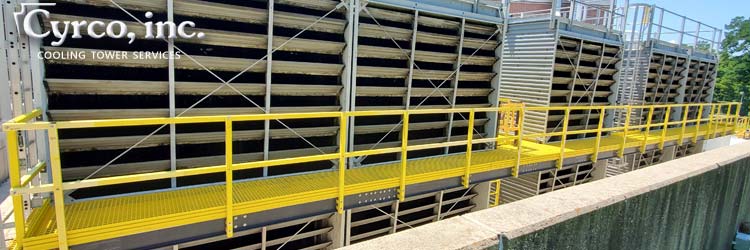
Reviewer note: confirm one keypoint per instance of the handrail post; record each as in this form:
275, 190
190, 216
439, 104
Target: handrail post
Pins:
521, 117
626, 127
54, 155
737, 116
730, 117
498, 187
665, 127
469, 138
648, 129
709, 131
404, 159
228, 173
563, 138
15, 182
342, 161
595, 157
699, 120
684, 123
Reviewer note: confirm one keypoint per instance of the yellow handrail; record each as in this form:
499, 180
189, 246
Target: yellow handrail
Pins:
58, 186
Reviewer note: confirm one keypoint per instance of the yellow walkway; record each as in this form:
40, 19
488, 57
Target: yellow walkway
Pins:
96, 220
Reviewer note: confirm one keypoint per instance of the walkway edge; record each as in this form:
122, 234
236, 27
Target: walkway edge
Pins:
482, 229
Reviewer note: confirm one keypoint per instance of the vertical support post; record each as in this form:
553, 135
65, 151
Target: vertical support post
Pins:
661, 22
337, 234
609, 16
394, 219
555, 10
685, 114
263, 238
228, 172
481, 200
5, 107
709, 131
404, 158
665, 127
348, 231
438, 209
172, 105
737, 115
54, 155
269, 83
626, 127
521, 117
697, 36
412, 54
698, 121
455, 81
575, 74
713, 39
564, 138
342, 161
717, 121
682, 33
498, 189
595, 157
39, 96
15, 182
650, 10
572, 11
469, 144
648, 129
348, 96
625, 12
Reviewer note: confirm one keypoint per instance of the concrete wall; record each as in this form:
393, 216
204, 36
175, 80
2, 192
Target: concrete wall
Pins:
716, 143
691, 203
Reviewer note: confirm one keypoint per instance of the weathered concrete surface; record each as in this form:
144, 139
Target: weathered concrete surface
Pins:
690, 203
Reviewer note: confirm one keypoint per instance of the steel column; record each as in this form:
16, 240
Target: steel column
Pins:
404, 158
269, 83
410, 76
57, 181
348, 96
228, 175
171, 69
455, 81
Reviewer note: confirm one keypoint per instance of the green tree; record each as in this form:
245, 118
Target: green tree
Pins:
734, 64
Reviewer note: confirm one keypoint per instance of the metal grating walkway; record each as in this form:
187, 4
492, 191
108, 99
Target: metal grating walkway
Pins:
96, 220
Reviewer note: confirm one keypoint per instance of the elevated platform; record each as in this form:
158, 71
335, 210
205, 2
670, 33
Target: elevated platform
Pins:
104, 219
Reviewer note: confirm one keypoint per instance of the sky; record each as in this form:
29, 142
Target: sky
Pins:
716, 13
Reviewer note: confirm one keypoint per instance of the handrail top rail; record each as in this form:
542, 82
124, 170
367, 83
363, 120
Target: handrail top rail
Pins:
20, 123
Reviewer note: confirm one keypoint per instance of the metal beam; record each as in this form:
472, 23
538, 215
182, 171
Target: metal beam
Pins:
437, 210
27, 88
455, 80
394, 219
172, 104
269, 82
410, 76
6, 113
348, 96
497, 68
452, 11
36, 65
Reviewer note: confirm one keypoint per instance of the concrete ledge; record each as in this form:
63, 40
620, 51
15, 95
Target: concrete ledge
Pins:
483, 229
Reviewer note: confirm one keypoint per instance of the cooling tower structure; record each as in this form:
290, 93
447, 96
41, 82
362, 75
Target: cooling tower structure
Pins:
561, 54
669, 59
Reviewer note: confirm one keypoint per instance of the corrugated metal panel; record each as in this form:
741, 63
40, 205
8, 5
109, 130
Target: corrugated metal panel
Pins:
515, 189
527, 66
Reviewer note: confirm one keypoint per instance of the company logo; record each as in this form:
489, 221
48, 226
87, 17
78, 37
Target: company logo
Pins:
97, 29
